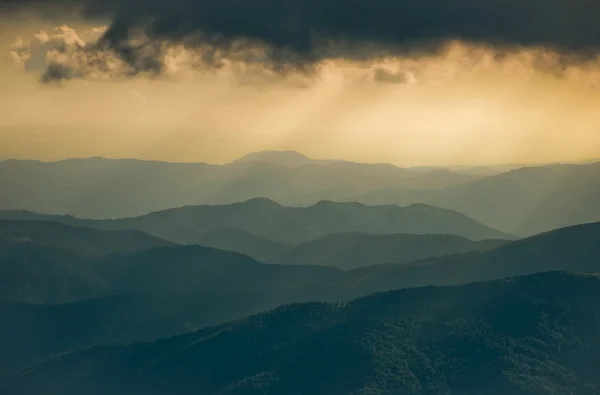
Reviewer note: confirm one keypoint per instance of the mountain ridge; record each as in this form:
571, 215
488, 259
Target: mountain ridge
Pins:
290, 225
114, 188
480, 338
354, 249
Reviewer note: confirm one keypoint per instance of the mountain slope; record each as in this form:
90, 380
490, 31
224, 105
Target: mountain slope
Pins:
114, 188
31, 333
523, 201
531, 200
231, 239
83, 240
353, 250
37, 273
200, 269
30, 272
291, 225
530, 335
573, 249
176, 289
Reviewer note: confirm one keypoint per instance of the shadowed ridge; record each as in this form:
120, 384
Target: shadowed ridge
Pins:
573, 249
83, 240
355, 249
477, 338
233, 239
291, 225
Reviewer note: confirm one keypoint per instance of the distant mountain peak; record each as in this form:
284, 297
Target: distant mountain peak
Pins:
260, 202
425, 207
330, 203
279, 157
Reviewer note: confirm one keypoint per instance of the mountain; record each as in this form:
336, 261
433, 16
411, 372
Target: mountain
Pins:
284, 158
32, 333
290, 225
86, 241
573, 249
531, 200
201, 269
353, 250
528, 335
30, 272
523, 201
231, 239
35, 273
161, 292
114, 188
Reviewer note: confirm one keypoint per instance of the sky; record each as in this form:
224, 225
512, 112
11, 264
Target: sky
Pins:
408, 82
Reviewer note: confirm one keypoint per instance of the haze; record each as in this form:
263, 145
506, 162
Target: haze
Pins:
462, 106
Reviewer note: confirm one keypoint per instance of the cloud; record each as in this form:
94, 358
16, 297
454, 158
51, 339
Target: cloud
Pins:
66, 54
304, 26
262, 39
58, 54
297, 34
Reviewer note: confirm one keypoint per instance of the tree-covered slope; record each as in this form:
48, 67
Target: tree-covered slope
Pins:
530, 335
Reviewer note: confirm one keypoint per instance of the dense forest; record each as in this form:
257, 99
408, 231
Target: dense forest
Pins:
530, 335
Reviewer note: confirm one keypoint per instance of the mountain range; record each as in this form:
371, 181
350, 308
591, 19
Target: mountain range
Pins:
67, 299
354, 250
33, 332
110, 188
519, 200
289, 225
523, 201
530, 335
83, 240
48, 273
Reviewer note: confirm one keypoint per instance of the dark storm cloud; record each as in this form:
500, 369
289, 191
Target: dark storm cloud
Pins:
299, 24
300, 32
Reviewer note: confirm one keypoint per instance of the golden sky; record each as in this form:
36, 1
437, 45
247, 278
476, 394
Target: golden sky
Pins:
434, 110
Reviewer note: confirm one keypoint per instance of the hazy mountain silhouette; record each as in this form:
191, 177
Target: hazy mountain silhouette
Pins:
573, 249
284, 158
521, 201
353, 250
524, 201
107, 188
231, 239
31, 272
290, 225
529, 335
531, 200
87, 241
